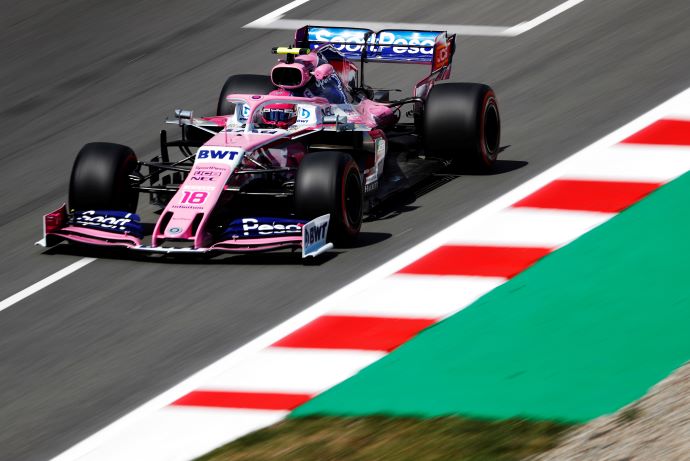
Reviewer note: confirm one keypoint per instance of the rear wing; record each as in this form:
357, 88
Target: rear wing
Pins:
401, 46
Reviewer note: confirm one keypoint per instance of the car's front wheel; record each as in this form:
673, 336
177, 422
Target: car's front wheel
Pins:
100, 178
329, 182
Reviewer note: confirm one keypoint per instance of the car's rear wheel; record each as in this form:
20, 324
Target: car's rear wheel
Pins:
100, 178
461, 122
242, 84
329, 182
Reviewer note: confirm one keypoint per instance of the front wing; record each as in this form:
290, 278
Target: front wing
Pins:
57, 228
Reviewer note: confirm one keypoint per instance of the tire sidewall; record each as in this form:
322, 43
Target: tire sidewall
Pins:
325, 181
350, 172
100, 178
488, 103
455, 123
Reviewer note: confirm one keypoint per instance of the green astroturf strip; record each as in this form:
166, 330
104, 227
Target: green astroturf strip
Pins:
585, 331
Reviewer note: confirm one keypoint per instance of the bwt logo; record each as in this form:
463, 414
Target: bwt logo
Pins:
216, 154
315, 234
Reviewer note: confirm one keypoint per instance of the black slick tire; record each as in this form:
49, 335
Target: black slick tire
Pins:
100, 178
329, 182
242, 84
462, 123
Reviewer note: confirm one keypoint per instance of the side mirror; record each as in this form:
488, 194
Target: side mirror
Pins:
184, 117
334, 119
340, 122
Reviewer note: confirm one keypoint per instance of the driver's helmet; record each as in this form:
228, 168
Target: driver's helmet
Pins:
279, 115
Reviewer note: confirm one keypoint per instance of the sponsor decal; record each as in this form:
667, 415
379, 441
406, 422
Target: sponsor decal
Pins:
242, 112
350, 42
441, 55
373, 173
187, 207
314, 235
306, 114
380, 155
174, 230
200, 174
245, 111
262, 227
371, 186
330, 88
216, 154
208, 167
110, 220
426, 39
253, 225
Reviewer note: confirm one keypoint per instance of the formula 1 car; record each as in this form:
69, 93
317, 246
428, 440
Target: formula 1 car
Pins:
290, 160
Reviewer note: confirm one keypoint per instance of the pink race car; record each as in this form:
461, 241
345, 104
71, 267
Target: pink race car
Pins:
290, 160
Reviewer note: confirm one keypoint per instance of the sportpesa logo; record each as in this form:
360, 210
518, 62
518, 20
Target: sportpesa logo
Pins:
113, 221
264, 227
353, 39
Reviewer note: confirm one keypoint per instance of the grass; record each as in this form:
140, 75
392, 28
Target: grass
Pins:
383, 438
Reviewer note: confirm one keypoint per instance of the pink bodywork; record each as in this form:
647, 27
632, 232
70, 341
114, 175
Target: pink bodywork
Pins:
186, 214
181, 212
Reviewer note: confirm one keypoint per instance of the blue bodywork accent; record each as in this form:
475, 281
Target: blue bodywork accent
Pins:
120, 222
257, 227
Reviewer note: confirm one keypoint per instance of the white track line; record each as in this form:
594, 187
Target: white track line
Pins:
184, 423
460, 29
274, 20
41, 284
120, 426
275, 15
542, 18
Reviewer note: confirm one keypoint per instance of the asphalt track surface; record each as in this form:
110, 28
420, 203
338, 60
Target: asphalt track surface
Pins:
82, 352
